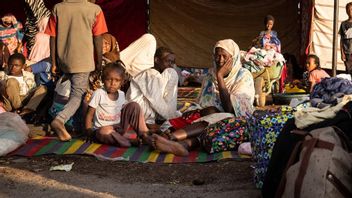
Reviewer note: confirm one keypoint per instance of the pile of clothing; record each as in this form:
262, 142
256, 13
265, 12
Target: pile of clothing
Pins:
329, 91
257, 59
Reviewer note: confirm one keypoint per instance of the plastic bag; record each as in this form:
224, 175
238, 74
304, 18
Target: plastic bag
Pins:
13, 132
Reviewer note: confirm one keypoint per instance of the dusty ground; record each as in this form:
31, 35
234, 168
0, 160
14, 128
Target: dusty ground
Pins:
90, 177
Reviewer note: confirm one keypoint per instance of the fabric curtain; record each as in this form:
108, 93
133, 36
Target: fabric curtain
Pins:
306, 10
322, 31
191, 27
126, 19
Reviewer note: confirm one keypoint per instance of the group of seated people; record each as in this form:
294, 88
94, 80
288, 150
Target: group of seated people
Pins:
137, 89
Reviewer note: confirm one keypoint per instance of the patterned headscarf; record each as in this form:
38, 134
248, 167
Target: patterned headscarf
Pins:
114, 53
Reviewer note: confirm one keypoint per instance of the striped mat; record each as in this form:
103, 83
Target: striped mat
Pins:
50, 145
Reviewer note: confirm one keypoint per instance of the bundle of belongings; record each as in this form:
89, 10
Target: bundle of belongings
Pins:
329, 91
13, 132
256, 59
310, 155
267, 67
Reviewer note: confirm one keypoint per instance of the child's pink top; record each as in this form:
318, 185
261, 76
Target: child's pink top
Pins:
2, 110
316, 75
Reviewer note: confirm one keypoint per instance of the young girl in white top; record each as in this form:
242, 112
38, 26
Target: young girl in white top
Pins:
108, 116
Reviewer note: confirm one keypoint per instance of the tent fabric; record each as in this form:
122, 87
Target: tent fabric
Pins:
322, 31
126, 19
191, 27
306, 20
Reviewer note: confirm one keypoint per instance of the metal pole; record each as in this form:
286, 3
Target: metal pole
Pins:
335, 42
148, 16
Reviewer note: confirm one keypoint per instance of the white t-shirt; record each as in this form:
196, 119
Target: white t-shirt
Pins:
107, 111
23, 85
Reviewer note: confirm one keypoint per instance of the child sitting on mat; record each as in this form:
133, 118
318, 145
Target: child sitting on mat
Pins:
109, 118
314, 73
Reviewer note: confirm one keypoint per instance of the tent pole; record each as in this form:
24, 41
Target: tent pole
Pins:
148, 16
335, 42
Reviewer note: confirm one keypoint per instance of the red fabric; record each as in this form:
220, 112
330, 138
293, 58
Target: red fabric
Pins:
283, 78
99, 26
126, 19
179, 123
51, 27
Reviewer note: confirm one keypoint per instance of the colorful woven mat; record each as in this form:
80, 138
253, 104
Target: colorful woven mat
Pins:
49, 145
188, 92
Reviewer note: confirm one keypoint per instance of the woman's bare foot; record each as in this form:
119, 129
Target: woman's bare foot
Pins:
60, 129
167, 146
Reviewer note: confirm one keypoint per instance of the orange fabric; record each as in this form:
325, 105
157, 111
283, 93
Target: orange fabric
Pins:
99, 26
51, 27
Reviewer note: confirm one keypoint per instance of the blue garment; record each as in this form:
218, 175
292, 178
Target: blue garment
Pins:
329, 90
42, 73
272, 40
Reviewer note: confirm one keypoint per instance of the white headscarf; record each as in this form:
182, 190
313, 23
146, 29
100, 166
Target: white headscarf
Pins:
139, 55
232, 48
239, 83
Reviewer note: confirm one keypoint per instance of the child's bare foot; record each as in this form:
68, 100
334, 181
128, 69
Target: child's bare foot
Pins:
122, 141
168, 146
60, 129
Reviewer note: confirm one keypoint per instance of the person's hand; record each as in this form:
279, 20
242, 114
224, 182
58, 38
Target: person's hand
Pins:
13, 20
54, 69
343, 57
90, 135
225, 69
19, 47
28, 69
98, 68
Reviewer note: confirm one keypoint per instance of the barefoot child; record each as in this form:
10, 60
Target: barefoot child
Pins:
108, 115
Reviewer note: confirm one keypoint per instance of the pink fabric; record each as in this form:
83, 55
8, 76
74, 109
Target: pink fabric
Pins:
2, 110
315, 76
41, 47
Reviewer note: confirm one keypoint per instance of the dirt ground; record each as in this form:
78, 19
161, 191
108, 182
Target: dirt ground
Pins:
91, 177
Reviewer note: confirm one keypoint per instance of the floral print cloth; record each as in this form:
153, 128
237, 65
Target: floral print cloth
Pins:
264, 129
225, 135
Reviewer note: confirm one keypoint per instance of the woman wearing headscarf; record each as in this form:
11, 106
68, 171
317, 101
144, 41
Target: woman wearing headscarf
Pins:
228, 89
111, 51
11, 33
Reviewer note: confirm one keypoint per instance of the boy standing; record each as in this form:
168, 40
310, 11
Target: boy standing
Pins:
75, 30
346, 39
